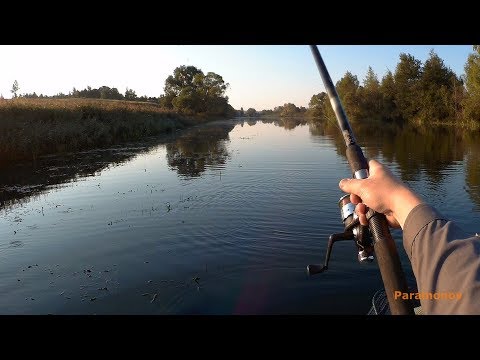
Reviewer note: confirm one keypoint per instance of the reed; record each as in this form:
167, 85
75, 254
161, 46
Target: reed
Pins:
33, 127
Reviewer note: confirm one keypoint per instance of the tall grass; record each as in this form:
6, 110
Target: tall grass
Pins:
33, 127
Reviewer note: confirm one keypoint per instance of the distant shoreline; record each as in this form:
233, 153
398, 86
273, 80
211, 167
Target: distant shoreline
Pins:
30, 128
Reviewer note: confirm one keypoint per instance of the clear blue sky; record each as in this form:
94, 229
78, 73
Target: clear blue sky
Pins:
260, 76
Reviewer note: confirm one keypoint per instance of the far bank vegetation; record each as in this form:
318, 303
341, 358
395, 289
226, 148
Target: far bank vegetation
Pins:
421, 94
415, 93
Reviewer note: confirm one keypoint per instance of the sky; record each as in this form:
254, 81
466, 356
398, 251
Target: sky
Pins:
260, 76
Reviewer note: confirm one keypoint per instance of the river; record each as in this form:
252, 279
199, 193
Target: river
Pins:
217, 219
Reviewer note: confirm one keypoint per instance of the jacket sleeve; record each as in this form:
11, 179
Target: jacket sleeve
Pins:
445, 261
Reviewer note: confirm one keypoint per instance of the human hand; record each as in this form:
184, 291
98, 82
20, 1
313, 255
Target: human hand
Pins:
382, 192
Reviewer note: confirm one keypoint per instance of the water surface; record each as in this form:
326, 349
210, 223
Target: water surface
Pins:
218, 219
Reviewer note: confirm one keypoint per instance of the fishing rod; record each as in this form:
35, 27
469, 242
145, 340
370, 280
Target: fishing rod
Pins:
376, 237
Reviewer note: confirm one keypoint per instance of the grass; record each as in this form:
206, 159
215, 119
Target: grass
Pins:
33, 127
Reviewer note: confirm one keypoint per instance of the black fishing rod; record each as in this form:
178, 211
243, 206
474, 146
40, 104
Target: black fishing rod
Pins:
376, 236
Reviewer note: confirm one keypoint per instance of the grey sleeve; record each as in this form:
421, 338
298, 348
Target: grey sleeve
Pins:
445, 260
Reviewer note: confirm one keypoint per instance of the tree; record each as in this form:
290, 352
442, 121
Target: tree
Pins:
212, 89
30, 96
471, 102
130, 94
182, 78
15, 88
289, 109
347, 88
106, 92
407, 82
187, 101
370, 97
165, 101
389, 93
189, 90
436, 85
317, 104
251, 112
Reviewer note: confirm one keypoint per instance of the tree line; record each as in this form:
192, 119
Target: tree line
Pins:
187, 91
103, 92
419, 93
286, 110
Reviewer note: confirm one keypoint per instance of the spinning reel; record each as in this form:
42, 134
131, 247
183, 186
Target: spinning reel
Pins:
353, 231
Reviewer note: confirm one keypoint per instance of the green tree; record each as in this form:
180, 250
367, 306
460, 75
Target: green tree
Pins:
407, 82
211, 90
348, 90
182, 78
471, 102
251, 112
130, 94
109, 93
436, 90
317, 104
15, 88
187, 101
189, 90
165, 101
371, 101
389, 93
289, 109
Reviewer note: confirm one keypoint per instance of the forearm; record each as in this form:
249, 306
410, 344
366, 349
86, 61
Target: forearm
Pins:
403, 202
444, 260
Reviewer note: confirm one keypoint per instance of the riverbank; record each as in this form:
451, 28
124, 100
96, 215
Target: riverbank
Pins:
33, 127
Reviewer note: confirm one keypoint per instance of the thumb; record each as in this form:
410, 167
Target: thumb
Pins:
374, 166
351, 186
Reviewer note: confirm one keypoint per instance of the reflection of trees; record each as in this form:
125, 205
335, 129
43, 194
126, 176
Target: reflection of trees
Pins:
472, 169
328, 129
288, 123
199, 148
414, 149
430, 149
21, 182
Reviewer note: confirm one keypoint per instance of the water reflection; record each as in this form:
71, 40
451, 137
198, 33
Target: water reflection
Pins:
196, 149
26, 180
288, 123
472, 170
134, 239
431, 151
416, 151
188, 153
